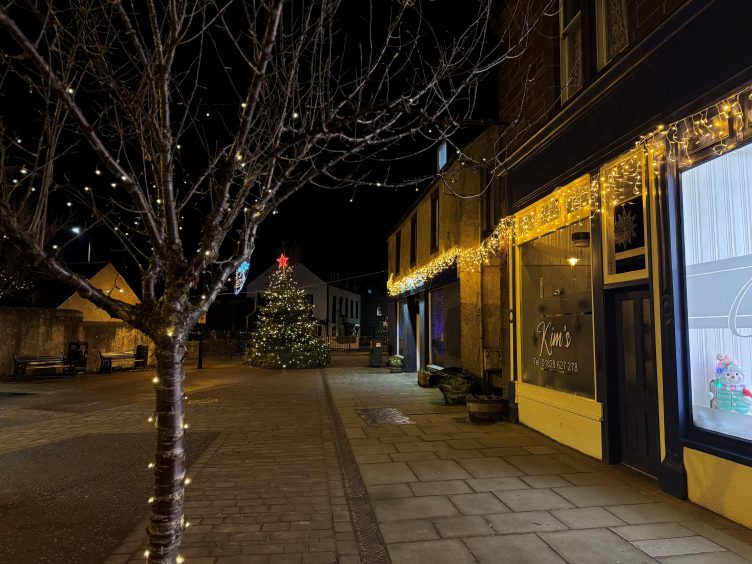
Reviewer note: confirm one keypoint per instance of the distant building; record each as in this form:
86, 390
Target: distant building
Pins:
112, 283
336, 310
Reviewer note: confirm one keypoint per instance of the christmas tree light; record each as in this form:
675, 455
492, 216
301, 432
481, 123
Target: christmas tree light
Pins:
286, 333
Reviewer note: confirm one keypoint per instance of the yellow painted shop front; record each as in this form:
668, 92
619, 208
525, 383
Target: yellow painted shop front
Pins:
555, 384
632, 293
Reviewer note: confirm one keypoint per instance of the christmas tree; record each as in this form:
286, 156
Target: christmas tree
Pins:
286, 333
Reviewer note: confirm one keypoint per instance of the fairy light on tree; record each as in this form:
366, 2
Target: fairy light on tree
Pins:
286, 333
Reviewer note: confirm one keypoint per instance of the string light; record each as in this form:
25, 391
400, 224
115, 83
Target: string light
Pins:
618, 182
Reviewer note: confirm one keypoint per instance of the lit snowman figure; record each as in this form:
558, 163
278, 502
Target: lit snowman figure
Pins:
728, 392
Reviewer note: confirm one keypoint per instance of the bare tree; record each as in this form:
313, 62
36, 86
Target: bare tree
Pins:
179, 126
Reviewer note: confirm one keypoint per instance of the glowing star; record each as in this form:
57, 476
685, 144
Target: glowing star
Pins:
625, 228
283, 261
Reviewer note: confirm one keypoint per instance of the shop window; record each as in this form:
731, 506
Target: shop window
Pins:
612, 30
445, 325
570, 44
716, 200
402, 317
624, 220
556, 320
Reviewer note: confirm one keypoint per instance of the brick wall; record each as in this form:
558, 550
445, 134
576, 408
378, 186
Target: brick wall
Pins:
529, 77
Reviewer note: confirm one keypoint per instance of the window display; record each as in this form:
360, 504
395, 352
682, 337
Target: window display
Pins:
717, 222
556, 311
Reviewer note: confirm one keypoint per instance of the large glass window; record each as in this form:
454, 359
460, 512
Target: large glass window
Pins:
556, 317
717, 222
445, 325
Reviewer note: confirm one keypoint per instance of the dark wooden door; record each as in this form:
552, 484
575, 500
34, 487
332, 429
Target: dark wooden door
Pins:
638, 382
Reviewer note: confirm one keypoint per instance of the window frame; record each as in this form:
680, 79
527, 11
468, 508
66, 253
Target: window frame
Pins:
728, 447
601, 34
565, 66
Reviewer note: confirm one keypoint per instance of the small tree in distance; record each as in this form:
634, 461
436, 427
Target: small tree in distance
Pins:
286, 333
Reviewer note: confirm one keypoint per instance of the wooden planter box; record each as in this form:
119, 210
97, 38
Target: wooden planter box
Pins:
486, 408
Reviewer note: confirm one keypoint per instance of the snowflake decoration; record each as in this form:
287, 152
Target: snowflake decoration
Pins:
625, 227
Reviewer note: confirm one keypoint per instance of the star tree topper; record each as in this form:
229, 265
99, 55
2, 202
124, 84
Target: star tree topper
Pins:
283, 261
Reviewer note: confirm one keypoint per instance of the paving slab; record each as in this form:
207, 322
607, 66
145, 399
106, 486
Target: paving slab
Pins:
431, 552
587, 518
525, 522
490, 467
386, 473
612, 494
500, 484
638, 514
465, 526
533, 499
478, 503
594, 546
408, 530
427, 470
545, 481
426, 507
678, 546
440, 487
652, 531
388, 491
705, 558
517, 549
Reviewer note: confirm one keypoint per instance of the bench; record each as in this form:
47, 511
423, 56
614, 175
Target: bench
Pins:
22, 365
138, 357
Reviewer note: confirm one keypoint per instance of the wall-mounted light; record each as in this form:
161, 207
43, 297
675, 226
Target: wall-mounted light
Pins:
573, 261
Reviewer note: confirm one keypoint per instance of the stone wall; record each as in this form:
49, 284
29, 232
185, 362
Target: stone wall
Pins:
112, 337
30, 331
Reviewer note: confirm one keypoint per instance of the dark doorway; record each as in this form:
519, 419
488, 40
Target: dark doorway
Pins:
637, 380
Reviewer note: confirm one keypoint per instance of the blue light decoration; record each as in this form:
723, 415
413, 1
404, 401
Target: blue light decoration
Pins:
240, 275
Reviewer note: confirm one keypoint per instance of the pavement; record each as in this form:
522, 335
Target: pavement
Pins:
293, 474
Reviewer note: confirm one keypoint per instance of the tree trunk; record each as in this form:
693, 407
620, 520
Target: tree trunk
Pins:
166, 521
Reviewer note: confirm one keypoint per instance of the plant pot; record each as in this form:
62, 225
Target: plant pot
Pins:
426, 379
395, 369
455, 389
486, 408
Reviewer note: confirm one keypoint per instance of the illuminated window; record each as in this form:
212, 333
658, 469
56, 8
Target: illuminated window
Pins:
716, 207
556, 318
441, 155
